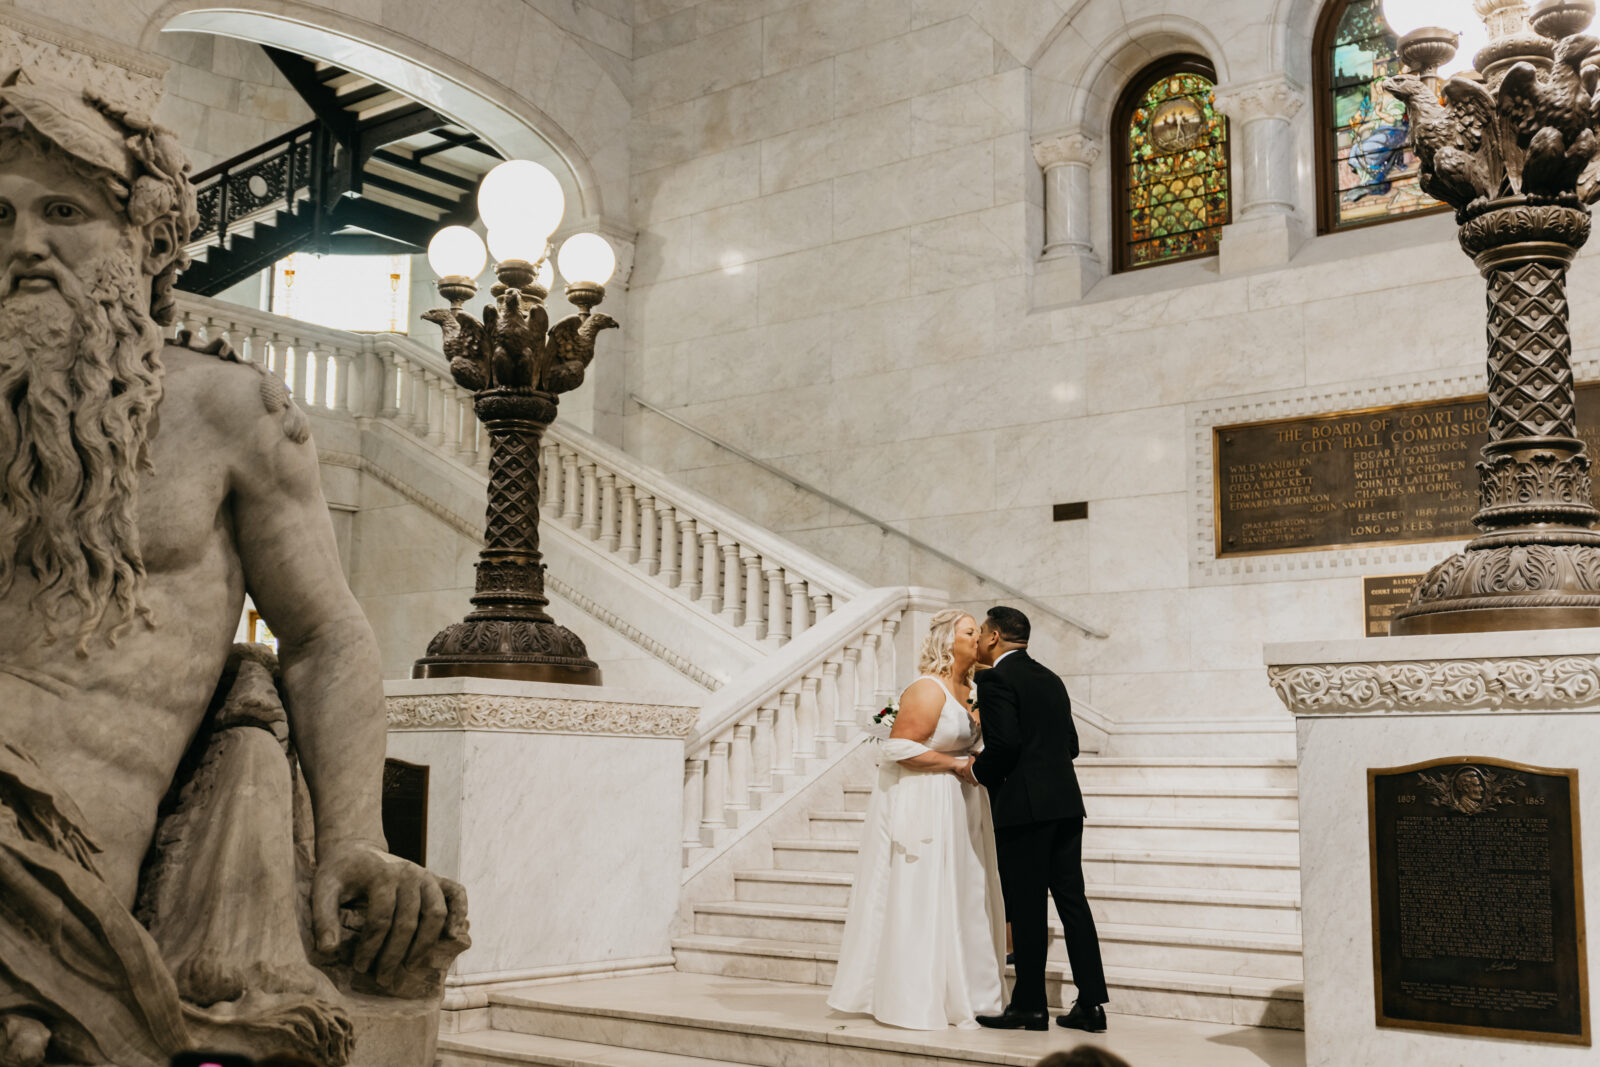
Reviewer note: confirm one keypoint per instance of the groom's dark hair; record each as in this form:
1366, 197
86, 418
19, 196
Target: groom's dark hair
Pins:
1009, 623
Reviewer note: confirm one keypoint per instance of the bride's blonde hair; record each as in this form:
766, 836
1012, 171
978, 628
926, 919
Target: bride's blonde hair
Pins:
938, 655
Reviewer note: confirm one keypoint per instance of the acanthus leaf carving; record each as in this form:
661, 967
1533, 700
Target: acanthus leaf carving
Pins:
472, 711
1511, 682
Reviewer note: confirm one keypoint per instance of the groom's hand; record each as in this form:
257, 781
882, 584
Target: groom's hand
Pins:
963, 771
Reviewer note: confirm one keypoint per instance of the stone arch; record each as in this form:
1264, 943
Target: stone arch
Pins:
517, 126
1294, 24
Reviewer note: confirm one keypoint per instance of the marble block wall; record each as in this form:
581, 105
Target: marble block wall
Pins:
559, 808
1529, 697
224, 96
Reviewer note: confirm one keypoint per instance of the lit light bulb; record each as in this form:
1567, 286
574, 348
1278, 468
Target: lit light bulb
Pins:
1403, 16
456, 251
1473, 36
521, 194
546, 275
516, 242
586, 258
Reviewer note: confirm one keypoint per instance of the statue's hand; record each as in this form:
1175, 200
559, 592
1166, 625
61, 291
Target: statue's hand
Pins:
406, 910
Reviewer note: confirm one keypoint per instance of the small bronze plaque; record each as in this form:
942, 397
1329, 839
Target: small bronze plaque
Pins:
1477, 899
405, 810
1388, 475
1383, 596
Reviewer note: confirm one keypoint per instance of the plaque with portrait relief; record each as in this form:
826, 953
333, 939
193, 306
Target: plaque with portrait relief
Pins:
1477, 899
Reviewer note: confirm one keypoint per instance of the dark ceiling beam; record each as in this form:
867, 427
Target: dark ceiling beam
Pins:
411, 192
323, 101
396, 126
385, 221
367, 244
456, 140
412, 166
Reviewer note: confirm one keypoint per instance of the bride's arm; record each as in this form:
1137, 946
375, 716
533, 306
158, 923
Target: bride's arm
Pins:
920, 706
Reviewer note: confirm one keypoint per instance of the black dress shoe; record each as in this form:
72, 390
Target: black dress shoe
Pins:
1091, 1018
1017, 1020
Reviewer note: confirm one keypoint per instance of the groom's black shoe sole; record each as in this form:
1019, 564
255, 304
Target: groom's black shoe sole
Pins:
1091, 1021
1016, 1020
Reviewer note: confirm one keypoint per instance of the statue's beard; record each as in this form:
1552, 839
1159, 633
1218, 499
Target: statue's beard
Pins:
80, 379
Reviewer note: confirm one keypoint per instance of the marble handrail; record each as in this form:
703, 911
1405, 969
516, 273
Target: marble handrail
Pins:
747, 578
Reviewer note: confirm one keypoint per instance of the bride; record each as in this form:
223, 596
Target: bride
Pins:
924, 931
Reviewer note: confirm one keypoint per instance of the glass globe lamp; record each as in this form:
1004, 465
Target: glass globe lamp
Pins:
456, 255
520, 194
586, 259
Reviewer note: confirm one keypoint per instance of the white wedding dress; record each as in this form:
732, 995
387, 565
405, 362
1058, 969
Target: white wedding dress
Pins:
924, 935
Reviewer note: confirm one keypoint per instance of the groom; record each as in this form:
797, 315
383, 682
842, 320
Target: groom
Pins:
1029, 744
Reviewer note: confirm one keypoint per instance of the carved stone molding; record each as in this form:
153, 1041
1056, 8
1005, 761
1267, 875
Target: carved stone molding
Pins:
1072, 146
1533, 683
540, 715
75, 56
1269, 98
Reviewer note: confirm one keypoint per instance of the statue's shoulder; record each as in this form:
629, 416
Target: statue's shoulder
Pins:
230, 391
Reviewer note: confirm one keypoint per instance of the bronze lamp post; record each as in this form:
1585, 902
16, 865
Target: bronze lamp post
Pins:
516, 365
1512, 149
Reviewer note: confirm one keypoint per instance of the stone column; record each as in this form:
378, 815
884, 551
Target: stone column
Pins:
1069, 266
1265, 230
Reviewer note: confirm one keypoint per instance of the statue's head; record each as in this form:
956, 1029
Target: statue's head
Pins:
95, 206
1407, 87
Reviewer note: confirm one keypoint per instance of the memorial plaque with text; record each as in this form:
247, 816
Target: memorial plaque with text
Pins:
1382, 596
1477, 899
1397, 474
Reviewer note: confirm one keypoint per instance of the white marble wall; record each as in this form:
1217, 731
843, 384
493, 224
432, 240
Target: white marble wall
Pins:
224, 96
840, 218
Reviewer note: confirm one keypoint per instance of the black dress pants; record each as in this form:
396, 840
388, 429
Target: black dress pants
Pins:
1034, 858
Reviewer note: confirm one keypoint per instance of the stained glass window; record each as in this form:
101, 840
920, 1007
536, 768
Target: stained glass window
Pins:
1366, 141
1174, 152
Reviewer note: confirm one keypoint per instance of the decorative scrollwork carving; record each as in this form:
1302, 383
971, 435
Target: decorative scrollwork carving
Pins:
470, 711
1513, 682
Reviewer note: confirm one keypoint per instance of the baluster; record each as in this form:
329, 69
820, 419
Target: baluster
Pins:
608, 511
821, 603
761, 750
549, 478
730, 579
389, 403
468, 449
343, 367
571, 497
867, 673
320, 391
777, 616
799, 606
753, 616
714, 809
739, 767
253, 340
649, 534
688, 562
846, 710
628, 523
452, 417
279, 358
301, 386
805, 719
783, 733
669, 573
694, 784
589, 475
887, 655
828, 701
434, 409
419, 401
710, 588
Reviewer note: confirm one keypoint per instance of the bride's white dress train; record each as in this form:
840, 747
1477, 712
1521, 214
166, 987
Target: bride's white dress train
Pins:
924, 935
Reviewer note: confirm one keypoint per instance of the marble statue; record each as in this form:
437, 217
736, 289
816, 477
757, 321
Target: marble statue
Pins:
191, 849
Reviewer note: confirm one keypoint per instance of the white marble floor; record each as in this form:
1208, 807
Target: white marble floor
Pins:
704, 1011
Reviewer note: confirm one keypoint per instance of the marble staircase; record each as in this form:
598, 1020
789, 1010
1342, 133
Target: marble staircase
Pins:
1193, 877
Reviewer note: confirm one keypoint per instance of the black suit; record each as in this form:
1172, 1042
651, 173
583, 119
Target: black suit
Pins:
1029, 744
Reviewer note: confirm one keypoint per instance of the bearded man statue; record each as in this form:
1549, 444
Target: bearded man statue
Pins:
191, 849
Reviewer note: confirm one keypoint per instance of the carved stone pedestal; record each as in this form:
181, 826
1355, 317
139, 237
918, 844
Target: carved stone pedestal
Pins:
559, 808
1527, 697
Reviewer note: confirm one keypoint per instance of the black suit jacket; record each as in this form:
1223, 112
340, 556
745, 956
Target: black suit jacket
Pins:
1029, 743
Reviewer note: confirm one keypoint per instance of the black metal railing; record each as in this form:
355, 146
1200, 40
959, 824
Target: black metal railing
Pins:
272, 174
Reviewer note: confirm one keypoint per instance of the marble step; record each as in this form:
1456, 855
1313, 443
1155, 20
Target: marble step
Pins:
856, 797
813, 855
1254, 738
827, 888
1274, 836
1199, 802
1187, 771
484, 1047
1207, 909
837, 825
775, 1024
1251, 872
1207, 952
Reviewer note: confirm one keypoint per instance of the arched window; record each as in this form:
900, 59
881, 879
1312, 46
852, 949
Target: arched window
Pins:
1171, 164
1366, 169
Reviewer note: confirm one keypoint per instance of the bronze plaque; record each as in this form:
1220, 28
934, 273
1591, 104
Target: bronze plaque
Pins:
405, 810
1477, 899
1383, 596
1387, 475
